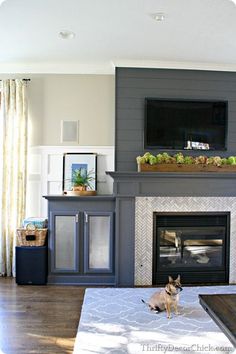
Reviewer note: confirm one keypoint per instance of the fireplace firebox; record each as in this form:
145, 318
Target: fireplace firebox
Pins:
194, 245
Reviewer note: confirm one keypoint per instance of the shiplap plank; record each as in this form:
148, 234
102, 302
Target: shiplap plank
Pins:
134, 84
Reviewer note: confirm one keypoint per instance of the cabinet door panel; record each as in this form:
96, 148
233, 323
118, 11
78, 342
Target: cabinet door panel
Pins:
65, 244
98, 242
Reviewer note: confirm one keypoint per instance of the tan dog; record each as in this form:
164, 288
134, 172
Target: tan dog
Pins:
166, 298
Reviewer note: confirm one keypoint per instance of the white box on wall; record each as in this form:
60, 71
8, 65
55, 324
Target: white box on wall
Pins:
69, 131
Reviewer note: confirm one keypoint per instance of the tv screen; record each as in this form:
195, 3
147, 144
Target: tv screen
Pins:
185, 124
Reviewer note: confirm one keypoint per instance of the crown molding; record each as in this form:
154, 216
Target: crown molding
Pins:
107, 67
184, 65
99, 68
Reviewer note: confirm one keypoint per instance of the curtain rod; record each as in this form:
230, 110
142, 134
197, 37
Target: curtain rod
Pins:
22, 79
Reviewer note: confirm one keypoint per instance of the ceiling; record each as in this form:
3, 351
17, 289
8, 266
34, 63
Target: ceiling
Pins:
194, 34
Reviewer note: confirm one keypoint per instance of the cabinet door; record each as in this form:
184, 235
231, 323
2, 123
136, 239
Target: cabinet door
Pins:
64, 244
98, 242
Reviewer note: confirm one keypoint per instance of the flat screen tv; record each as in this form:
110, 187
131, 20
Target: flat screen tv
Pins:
179, 124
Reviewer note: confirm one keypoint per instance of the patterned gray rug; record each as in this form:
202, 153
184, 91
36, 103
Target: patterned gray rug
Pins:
114, 321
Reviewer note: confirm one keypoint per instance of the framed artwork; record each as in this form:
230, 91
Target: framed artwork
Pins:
85, 164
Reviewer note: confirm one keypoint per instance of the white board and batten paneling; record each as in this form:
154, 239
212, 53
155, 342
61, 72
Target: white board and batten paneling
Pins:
45, 170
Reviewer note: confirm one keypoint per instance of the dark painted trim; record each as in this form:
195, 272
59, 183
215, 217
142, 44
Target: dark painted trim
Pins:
125, 240
157, 184
116, 115
82, 280
105, 197
153, 175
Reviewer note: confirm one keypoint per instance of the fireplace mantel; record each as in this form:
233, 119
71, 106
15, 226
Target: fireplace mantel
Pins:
177, 189
176, 184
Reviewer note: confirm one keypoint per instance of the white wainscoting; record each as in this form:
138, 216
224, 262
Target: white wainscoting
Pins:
45, 170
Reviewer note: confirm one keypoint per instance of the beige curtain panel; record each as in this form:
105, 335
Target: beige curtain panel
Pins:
13, 168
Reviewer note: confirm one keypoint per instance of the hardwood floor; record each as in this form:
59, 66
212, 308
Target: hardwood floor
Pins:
38, 319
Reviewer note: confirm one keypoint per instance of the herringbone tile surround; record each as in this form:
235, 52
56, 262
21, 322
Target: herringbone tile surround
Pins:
144, 208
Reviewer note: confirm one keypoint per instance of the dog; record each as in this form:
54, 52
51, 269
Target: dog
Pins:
166, 298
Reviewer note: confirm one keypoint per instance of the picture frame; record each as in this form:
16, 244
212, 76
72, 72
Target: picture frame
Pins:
79, 161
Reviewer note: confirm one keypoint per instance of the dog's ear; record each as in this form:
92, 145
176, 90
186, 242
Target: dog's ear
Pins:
170, 279
178, 278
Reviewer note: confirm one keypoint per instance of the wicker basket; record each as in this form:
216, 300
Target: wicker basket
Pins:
31, 236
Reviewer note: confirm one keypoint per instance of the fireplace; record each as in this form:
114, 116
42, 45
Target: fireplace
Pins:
194, 245
144, 231
139, 195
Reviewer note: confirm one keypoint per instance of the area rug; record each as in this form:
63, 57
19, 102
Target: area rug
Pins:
115, 321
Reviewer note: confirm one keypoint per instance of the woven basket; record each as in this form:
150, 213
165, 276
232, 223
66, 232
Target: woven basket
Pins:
31, 236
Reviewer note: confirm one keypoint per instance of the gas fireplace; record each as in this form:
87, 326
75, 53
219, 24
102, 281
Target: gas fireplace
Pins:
194, 245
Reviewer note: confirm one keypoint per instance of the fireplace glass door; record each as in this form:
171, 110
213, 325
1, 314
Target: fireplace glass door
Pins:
192, 245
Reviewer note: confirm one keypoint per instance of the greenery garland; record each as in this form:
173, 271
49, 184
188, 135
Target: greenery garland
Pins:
179, 158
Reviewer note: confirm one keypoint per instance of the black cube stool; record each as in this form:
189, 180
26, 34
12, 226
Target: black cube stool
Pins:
31, 265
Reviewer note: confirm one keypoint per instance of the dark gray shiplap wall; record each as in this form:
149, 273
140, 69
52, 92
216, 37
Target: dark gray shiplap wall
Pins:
134, 84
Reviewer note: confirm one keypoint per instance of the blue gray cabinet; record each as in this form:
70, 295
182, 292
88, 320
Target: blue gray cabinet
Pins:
81, 240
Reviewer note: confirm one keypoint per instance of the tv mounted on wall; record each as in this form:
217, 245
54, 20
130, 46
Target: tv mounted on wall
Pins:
180, 124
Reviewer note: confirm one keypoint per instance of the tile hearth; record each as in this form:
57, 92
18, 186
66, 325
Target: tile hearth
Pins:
144, 208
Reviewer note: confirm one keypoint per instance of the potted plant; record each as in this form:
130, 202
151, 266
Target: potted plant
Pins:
81, 179
180, 163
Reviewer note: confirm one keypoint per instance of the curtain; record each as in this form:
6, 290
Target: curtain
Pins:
13, 168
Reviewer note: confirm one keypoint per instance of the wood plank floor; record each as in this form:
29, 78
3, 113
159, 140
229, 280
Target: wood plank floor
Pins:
38, 319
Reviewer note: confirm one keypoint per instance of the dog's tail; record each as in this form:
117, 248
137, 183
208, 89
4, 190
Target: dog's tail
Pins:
146, 303
156, 308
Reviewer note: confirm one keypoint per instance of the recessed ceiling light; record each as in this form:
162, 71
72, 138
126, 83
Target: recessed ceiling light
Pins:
159, 16
66, 34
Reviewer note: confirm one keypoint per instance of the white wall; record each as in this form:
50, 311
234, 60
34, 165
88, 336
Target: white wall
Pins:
90, 99
52, 98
